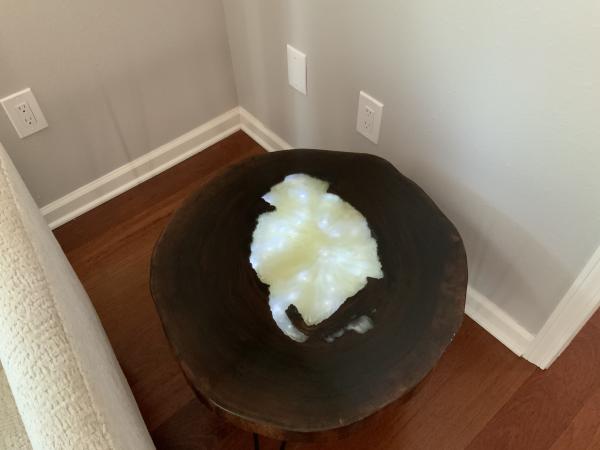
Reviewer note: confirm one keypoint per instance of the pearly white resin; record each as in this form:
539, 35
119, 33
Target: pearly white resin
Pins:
314, 251
360, 326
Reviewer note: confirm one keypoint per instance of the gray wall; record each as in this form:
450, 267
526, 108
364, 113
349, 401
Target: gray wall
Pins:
492, 107
114, 78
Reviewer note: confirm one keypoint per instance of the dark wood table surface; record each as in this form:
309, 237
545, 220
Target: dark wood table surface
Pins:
215, 311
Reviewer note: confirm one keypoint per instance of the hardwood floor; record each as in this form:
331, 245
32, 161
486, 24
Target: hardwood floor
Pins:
480, 395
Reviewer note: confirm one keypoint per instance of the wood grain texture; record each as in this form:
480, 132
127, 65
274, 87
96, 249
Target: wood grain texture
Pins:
452, 400
583, 432
547, 402
215, 310
479, 394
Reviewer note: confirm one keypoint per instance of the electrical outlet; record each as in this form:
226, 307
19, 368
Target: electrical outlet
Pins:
296, 69
27, 116
370, 113
368, 120
24, 113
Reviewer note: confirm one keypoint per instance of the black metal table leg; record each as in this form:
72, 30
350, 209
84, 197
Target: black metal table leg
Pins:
256, 441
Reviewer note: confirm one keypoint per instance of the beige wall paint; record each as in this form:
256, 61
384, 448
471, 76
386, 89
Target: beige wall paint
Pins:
115, 80
492, 107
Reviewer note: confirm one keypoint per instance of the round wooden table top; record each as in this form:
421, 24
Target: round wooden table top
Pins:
216, 315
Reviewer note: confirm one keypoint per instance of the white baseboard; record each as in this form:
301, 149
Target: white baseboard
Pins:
260, 133
141, 169
577, 306
496, 322
158, 160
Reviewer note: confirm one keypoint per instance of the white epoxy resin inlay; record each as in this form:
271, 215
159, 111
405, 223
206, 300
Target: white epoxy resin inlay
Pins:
314, 251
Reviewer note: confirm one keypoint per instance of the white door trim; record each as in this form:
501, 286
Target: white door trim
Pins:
577, 306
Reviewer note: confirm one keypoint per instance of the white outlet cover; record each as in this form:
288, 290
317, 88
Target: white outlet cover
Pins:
20, 106
370, 113
296, 69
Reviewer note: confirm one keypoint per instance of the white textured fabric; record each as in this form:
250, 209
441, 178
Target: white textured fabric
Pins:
12, 432
64, 377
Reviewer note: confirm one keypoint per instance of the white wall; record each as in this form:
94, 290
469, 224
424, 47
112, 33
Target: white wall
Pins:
114, 78
492, 107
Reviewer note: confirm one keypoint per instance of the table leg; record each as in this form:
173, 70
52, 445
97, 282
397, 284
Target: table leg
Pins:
257, 443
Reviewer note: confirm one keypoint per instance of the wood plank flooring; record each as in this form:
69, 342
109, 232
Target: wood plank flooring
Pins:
480, 396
